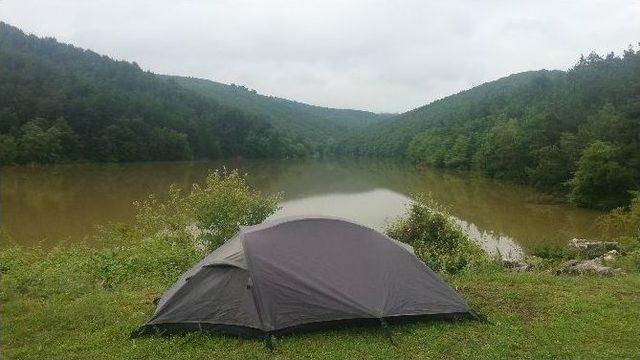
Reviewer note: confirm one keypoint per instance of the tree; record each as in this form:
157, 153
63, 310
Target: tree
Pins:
37, 144
83, 106
601, 181
168, 144
8, 149
504, 154
458, 154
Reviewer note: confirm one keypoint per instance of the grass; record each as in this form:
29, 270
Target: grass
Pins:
533, 315
78, 302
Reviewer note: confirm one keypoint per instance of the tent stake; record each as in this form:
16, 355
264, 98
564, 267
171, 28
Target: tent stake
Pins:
387, 330
268, 342
479, 316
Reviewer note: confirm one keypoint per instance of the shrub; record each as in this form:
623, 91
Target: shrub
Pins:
8, 149
601, 180
623, 225
436, 239
623, 222
209, 214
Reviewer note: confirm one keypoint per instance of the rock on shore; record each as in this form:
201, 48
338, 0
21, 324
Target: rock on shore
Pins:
594, 254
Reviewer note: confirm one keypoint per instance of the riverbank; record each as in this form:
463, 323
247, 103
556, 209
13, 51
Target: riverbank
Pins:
80, 302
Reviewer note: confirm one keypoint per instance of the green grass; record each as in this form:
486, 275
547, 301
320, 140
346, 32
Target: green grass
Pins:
67, 313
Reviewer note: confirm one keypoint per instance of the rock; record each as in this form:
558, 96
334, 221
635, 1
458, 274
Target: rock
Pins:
611, 255
592, 249
515, 265
586, 267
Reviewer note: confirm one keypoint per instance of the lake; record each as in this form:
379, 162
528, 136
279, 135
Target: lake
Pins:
48, 205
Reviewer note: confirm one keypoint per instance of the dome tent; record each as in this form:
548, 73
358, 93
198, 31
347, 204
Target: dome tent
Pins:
292, 272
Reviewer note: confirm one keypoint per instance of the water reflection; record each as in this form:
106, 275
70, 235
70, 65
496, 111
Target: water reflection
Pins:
55, 203
378, 208
354, 206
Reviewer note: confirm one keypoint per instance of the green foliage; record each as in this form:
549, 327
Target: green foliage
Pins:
531, 127
436, 239
551, 252
319, 126
601, 178
133, 140
503, 153
62, 103
38, 144
208, 214
623, 223
8, 149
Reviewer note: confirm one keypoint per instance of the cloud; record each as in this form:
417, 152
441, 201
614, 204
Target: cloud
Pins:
376, 55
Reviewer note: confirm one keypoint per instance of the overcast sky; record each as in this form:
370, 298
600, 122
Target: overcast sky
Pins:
385, 56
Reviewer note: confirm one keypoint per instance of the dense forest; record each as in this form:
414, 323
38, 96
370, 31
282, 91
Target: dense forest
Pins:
62, 103
575, 133
320, 126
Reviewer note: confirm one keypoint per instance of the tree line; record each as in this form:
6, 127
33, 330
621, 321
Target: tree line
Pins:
62, 103
319, 126
574, 133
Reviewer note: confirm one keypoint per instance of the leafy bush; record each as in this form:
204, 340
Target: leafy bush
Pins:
436, 239
602, 178
207, 215
623, 222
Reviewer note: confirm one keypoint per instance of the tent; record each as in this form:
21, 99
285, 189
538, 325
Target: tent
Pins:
288, 273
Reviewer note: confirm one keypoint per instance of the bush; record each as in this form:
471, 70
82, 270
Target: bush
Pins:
623, 222
8, 149
623, 225
601, 179
436, 239
209, 214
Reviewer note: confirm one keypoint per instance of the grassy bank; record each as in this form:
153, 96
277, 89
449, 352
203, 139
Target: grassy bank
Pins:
79, 302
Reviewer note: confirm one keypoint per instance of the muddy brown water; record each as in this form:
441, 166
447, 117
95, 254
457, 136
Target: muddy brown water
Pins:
48, 205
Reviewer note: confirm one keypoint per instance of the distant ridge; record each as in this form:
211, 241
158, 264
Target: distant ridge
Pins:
575, 133
313, 123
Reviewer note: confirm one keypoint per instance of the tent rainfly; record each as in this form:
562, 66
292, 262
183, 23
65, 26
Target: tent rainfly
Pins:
294, 272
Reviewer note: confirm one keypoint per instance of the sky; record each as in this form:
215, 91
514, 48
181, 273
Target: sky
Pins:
383, 56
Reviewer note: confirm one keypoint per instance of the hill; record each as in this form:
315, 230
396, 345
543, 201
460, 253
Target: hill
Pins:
317, 125
62, 103
575, 133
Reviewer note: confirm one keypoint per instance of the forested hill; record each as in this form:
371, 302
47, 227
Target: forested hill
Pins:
575, 132
317, 125
62, 103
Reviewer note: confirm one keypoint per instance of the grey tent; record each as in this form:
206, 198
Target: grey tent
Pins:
287, 273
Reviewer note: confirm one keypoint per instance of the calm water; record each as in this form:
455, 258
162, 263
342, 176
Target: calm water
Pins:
53, 204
